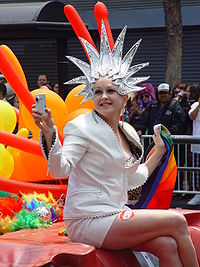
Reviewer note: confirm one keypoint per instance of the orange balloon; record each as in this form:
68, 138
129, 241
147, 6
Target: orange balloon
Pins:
76, 113
35, 168
73, 102
18, 172
29, 167
21, 124
58, 109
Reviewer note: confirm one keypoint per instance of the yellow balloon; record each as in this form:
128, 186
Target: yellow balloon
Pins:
6, 163
23, 132
58, 109
73, 102
2, 157
8, 117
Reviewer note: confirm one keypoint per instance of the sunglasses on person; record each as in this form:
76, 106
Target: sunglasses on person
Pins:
176, 91
145, 96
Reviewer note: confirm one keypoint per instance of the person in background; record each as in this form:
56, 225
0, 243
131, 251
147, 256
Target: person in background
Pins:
146, 96
134, 110
16, 102
10, 95
55, 88
2, 78
164, 110
167, 111
194, 114
141, 100
2, 92
181, 94
43, 81
178, 88
186, 109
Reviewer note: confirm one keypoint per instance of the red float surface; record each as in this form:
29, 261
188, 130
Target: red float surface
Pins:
36, 247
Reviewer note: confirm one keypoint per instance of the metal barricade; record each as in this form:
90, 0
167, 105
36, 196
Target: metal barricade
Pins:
186, 181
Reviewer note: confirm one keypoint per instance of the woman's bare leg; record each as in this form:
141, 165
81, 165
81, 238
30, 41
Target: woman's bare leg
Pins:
165, 248
149, 224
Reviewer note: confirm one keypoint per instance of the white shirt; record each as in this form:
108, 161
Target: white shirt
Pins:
195, 148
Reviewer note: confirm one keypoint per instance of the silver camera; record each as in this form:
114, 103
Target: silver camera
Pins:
41, 103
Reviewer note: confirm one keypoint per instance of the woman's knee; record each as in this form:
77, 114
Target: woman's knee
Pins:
167, 245
168, 252
180, 224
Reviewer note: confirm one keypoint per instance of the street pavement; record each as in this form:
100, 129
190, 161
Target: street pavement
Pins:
181, 200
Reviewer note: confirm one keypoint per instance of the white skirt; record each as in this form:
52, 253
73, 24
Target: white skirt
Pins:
90, 231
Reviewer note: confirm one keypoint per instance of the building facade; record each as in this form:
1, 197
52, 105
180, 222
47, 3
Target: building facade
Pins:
40, 36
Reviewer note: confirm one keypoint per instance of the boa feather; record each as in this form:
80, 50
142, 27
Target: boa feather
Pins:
20, 212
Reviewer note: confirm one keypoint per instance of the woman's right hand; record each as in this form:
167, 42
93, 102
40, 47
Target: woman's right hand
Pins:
46, 124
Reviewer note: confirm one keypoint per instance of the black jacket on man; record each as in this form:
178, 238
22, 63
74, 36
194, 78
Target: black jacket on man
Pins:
173, 117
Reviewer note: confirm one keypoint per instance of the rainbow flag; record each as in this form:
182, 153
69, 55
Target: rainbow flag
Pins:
157, 191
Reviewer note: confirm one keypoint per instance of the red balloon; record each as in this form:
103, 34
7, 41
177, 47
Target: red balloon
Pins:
20, 143
17, 187
14, 62
101, 13
78, 25
15, 80
13, 72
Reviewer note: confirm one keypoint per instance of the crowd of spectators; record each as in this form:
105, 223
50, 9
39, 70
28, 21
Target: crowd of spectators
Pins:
176, 108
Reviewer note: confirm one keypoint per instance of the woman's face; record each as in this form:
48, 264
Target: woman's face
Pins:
188, 92
176, 91
145, 98
107, 101
55, 88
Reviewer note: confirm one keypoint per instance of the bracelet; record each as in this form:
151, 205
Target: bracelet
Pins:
44, 143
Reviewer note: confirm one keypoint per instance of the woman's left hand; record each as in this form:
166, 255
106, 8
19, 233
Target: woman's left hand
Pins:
160, 148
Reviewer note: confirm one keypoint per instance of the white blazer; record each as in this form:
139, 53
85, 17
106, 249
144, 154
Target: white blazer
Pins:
93, 158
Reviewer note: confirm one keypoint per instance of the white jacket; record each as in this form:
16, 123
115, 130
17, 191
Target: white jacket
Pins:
93, 159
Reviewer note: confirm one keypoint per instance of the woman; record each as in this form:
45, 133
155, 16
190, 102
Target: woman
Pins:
102, 157
55, 87
141, 100
146, 95
194, 114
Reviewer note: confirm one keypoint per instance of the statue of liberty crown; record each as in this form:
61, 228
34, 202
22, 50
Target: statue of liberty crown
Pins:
109, 63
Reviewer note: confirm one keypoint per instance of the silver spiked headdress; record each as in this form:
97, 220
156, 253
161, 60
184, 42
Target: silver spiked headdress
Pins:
108, 63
